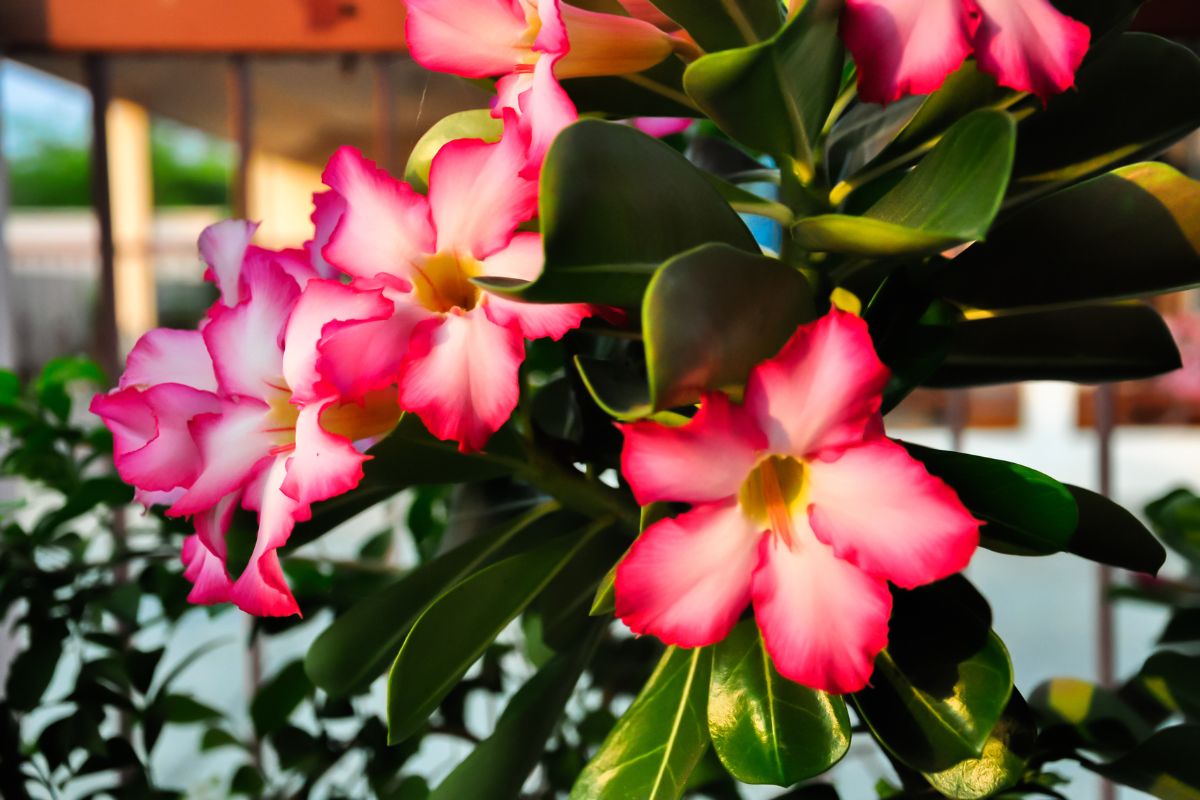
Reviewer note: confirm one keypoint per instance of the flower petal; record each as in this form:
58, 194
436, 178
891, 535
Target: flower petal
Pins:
323, 465
477, 195
879, 508
164, 355
223, 248
658, 127
322, 303
262, 589
206, 571
706, 460
823, 620
358, 358
234, 445
607, 44
822, 389
461, 377
905, 47
328, 208
542, 106
472, 38
294, 262
523, 259
686, 579
385, 225
1029, 45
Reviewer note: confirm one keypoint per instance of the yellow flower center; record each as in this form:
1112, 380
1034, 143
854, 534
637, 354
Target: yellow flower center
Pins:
775, 490
442, 282
375, 415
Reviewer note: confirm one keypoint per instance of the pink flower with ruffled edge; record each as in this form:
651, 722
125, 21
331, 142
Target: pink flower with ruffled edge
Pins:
801, 507
905, 47
237, 413
453, 348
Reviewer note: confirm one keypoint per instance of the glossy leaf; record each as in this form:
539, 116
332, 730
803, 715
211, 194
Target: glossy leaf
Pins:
767, 729
659, 740
605, 239
1174, 680
1176, 518
1002, 765
1132, 232
1165, 765
411, 456
951, 197
476, 123
1109, 534
1078, 713
775, 95
498, 766
360, 644
724, 24
1089, 344
1131, 101
1025, 511
943, 682
456, 629
656, 92
278, 698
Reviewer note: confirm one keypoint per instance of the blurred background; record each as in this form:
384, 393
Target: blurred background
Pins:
128, 127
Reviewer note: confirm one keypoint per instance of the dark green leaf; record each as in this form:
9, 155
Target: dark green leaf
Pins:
185, 710
1132, 232
723, 24
944, 681
1176, 518
410, 456
10, 387
476, 123
1111, 535
1165, 765
775, 95
1076, 713
59, 374
361, 643
1174, 680
278, 698
659, 740
33, 667
141, 665
110, 492
215, 738
656, 92
1184, 626
765, 728
605, 239
246, 781
458, 627
951, 197
1088, 344
1027, 513
1002, 764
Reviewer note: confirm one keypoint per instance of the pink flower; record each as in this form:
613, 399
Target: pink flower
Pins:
236, 412
907, 47
658, 127
800, 507
453, 348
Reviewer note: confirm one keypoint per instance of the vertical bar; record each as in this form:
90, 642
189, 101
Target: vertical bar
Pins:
1105, 422
385, 113
97, 69
8, 342
241, 129
958, 410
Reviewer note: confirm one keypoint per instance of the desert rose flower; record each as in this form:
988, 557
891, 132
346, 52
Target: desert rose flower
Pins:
453, 348
801, 507
905, 47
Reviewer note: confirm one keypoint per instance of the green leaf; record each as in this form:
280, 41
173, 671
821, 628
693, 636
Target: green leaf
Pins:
1176, 518
185, 710
1131, 101
774, 96
951, 197
57, 377
1132, 232
105, 491
1002, 765
1088, 344
698, 335
215, 738
10, 387
943, 682
605, 600
454, 631
279, 697
33, 668
1184, 626
1165, 765
361, 643
411, 456
476, 123
1111, 535
605, 239
1027, 513
1174, 680
656, 92
765, 728
498, 766
723, 24
659, 740
1076, 713
246, 781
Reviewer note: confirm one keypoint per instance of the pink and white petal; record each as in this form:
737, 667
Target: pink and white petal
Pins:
879, 508
823, 620
234, 445
328, 208
323, 302
293, 261
128, 416
522, 259
385, 226
149, 499
460, 377
323, 465
472, 38
223, 247
207, 573
477, 196
164, 355
686, 580
905, 47
262, 589
823, 388
246, 342
552, 37
1029, 45
170, 459
658, 127
358, 358
545, 110
704, 461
